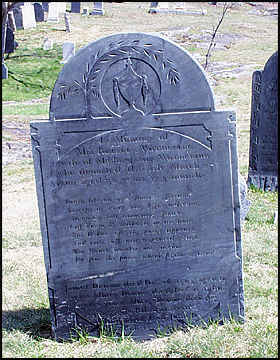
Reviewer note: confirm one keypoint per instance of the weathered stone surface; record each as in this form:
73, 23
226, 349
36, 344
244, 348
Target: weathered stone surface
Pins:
45, 6
10, 41
53, 13
17, 11
97, 8
39, 12
75, 7
4, 71
28, 16
138, 192
263, 159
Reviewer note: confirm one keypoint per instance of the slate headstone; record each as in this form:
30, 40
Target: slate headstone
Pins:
11, 21
138, 192
10, 41
17, 11
45, 6
97, 8
76, 7
28, 16
39, 12
4, 71
263, 156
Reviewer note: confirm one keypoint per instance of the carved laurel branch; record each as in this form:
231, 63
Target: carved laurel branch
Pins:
118, 49
147, 49
73, 88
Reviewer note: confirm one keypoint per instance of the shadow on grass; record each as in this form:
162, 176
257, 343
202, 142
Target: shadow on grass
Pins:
35, 322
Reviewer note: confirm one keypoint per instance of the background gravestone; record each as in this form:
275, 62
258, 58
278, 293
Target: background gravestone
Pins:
138, 192
153, 7
17, 11
75, 7
97, 8
28, 16
61, 7
263, 157
53, 15
45, 6
10, 44
39, 12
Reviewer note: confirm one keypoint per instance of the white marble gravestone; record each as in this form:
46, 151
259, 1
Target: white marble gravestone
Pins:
28, 16
53, 12
61, 7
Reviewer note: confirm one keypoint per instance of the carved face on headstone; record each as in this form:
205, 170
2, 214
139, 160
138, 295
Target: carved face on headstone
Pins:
129, 87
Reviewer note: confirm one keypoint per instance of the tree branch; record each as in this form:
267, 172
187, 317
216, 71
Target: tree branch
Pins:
227, 5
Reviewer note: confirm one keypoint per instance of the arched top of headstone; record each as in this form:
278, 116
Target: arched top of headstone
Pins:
269, 96
138, 71
270, 71
272, 62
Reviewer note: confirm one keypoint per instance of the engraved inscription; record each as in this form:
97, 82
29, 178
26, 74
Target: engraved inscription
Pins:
145, 300
153, 224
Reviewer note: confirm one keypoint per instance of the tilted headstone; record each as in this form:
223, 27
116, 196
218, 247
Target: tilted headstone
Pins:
17, 11
263, 156
138, 192
11, 21
10, 41
4, 71
68, 49
97, 8
28, 16
67, 22
53, 15
39, 12
76, 7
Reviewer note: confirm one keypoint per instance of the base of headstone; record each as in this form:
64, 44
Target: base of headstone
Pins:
264, 183
97, 12
4, 71
53, 20
176, 11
